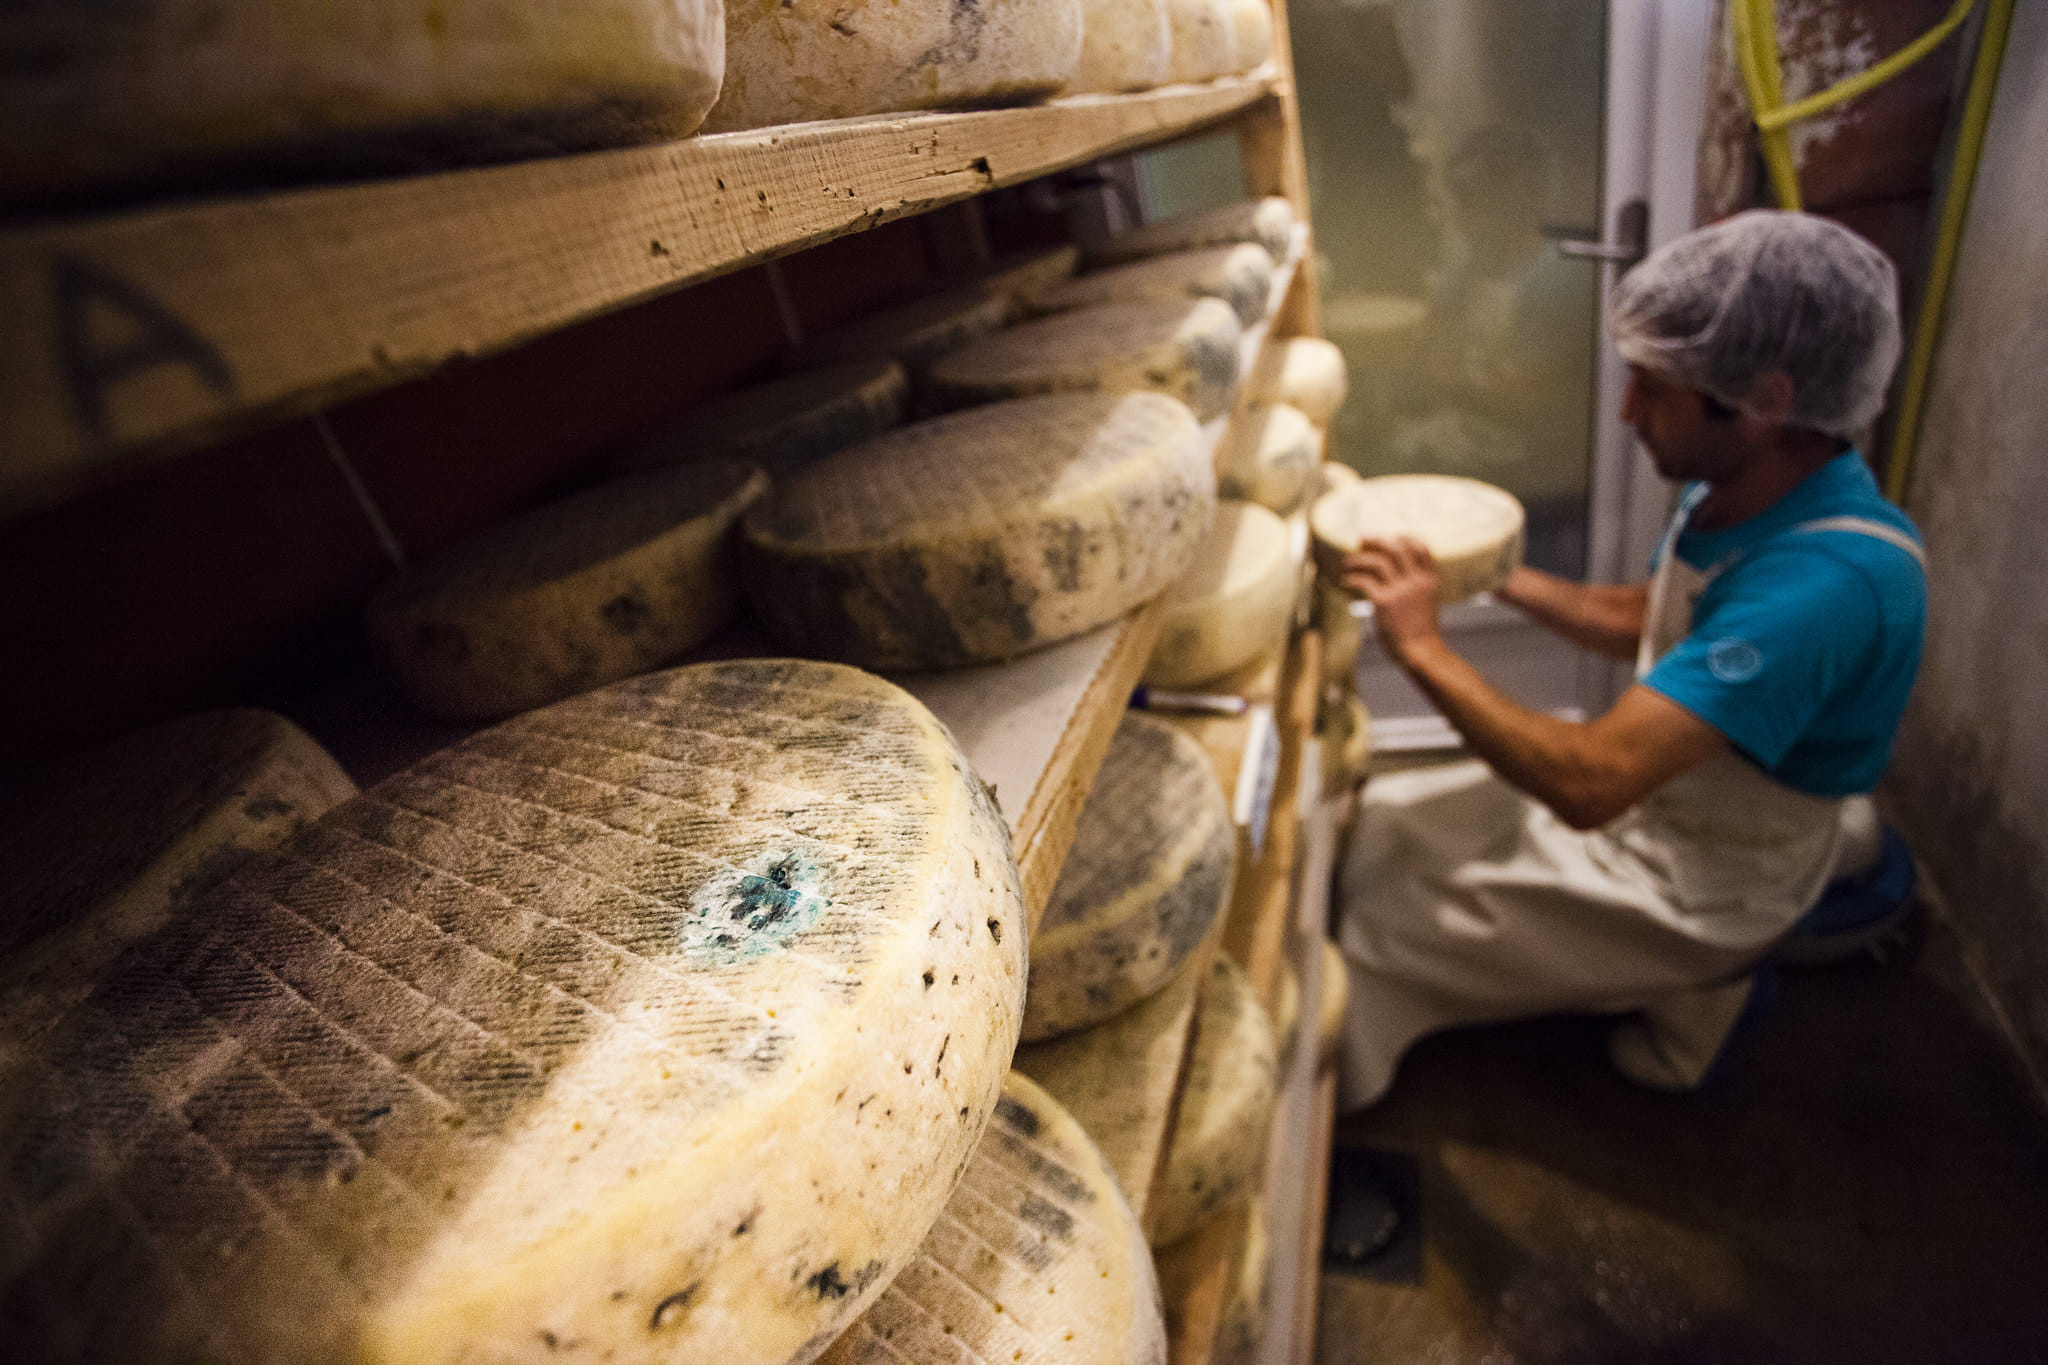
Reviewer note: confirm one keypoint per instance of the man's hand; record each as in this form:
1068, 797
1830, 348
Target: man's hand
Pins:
1399, 578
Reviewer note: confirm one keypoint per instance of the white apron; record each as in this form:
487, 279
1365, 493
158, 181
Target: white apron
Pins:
1463, 901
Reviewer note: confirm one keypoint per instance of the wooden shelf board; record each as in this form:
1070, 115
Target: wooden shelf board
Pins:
192, 320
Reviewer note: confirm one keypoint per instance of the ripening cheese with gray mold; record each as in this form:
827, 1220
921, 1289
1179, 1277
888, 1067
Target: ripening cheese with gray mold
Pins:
1304, 372
93, 96
984, 534
1149, 872
1126, 45
1251, 34
781, 425
1184, 348
1037, 1259
791, 61
1269, 222
1218, 1143
581, 592
1240, 275
1269, 456
99, 849
1235, 601
1202, 39
1473, 530
917, 332
660, 1022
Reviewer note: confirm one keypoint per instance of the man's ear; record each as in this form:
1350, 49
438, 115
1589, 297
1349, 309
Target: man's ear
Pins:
1770, 397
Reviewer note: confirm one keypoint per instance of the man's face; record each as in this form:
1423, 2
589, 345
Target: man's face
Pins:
1685, 439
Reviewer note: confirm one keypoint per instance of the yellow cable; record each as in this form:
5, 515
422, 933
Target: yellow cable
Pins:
1862, 81
1955, 207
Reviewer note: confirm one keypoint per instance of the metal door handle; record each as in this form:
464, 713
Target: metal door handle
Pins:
1599, 251
1631, 233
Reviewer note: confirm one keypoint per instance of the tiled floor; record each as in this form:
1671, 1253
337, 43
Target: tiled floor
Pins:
1870, 1184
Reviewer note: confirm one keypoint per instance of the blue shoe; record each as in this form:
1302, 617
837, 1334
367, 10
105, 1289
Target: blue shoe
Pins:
1855, 914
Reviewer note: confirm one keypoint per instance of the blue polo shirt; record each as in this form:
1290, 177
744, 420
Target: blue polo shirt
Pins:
1804, 646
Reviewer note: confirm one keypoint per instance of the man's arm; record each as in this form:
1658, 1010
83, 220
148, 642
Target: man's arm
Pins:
1605, 618
1588, 774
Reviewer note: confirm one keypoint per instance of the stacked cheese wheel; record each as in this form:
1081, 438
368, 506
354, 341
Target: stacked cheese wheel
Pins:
916, 332
1241, 1315
782, 425
1204, 39
582, 592
1269, 456
158, 92
1241, 275
1346, 731
982, 535
1036, 1258
1149, 872
1303, 372
1020, 275
1336, 989
1472, 529
661, 1021
1234, 603
1268, 222
1226, 1108
1126, 45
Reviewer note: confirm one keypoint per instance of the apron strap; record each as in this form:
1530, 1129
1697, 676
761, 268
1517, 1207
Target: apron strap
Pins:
1866, 526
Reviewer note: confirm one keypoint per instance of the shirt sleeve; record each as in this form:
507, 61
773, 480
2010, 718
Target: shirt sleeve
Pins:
1774, 639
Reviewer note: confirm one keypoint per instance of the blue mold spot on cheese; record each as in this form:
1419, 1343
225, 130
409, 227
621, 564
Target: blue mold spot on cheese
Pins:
743, 915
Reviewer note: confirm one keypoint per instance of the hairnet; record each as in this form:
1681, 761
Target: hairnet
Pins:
1767, 290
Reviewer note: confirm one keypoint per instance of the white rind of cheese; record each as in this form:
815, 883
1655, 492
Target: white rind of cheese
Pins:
596, 587
1226, 1107
1269, 456
155, 91
791, 61
1036, 1258
1251, 34
1239, 1228
917, 332
1202, 38
662, 1021
1234, 603
1330, 1012
1343, 634
1241, 275
1269, 222
1306, 372
102, 848
781, 425
1150, 870
1472, 529
1286, 1013
1126, 45
1186, 349
984, 534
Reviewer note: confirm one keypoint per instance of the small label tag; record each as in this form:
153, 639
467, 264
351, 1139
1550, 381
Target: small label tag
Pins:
1254, 797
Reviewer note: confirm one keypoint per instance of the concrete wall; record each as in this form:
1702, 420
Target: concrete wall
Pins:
1970, 780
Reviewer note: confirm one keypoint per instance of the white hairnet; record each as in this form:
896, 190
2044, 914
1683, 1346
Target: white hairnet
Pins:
1767, 290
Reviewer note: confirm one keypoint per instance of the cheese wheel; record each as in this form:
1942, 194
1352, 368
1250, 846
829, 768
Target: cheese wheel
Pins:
782, 425
1269, 456
1186, 349
1240, 1228
1345, 728
1226, 1106
914, 333
1336, 475
1235, 601
1202, 38
1149, 872
1472, 529
1036, 1258
99, 849
1268, 222
578, 593
1306, 372
1330, 1011
1021, 274
661, 1021
1286, 1014
1240, 275
790, 61
160, 92
1251, 34
1343, 634
984, 534
1126, 45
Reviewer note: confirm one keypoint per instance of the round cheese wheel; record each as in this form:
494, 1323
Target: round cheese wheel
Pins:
1235, 601
1343, 634
1305, 372
1241, 1317
1226, 1106
1346, 731
1335, 475
983, 534
1022, 274
1186, 349
1126, 45
791, 61
159, 93
99, 849
1149, 872
1330, 1013
1036, 1258
1251, 34
1202, 39
1472, 529
1286, 1013
1268, 222
661, 1021
1269, 456
914, 333
581, 592
1240, 275
781, 425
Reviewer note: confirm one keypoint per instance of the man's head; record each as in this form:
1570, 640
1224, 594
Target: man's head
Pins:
1761, 322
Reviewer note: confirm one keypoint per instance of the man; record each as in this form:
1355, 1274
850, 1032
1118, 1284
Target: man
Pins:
1647, 860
